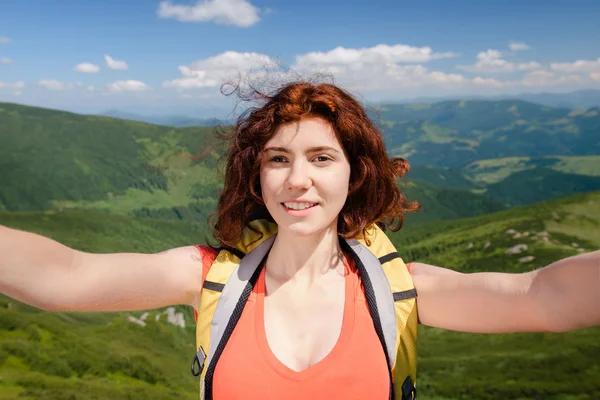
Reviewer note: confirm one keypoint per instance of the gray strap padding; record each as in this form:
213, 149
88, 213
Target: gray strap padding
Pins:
232, 292
383, 295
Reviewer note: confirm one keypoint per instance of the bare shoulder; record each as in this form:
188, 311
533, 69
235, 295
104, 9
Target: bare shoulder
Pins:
428, 278
185, 267
187, 254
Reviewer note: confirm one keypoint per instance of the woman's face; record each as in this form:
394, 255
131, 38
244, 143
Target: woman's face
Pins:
305, 177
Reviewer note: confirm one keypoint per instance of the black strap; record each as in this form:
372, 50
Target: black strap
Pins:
388, 257
371, 302
409, 391
235, 317
238, 253
217, 287
406, 294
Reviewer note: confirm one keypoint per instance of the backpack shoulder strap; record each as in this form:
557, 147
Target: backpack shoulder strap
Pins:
401, 309
224, 293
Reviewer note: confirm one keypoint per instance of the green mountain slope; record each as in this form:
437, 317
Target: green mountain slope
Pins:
495, 170
56, 160
446, 203
105, 355
443, 177
51, 156
456, 133
476, 114
530, 186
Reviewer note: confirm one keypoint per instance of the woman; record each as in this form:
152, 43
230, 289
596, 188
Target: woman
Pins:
311, 161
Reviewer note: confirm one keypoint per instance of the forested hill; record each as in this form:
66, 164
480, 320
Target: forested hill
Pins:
456, 133
52, 159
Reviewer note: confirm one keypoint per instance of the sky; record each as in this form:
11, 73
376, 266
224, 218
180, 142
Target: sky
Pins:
172, 57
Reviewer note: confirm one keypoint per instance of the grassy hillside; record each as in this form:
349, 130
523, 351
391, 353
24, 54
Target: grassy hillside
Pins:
50, 156
531, 186
104, 355
57, 160
446, 203
443, 177
456, 133
492, 171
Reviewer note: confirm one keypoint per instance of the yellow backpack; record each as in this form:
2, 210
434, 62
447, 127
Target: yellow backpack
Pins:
389, 292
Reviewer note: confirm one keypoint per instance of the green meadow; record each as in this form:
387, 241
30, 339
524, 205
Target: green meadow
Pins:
65, 355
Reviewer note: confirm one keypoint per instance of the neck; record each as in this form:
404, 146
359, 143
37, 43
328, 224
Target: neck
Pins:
304, 258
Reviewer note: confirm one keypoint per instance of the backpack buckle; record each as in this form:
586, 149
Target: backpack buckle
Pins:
198, 362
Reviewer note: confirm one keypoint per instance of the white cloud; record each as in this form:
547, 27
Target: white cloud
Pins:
52, 84
214, 71
87, 68
375, 68
492, 61
380, 54
5, 60
577, 66
492, 83
595, 76
415, 75
127, 86
17, 93
379, 68
240, 13
519, 46
14, 85
115, 64
5, 39
90, 88
549, 78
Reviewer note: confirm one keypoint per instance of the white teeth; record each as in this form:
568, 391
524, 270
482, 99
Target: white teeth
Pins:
299, 206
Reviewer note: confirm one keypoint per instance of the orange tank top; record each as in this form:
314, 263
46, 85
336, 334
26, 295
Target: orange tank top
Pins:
354, 369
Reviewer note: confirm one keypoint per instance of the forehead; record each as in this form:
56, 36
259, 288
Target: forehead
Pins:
308, 132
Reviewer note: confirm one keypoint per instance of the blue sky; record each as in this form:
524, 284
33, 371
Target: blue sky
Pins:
172, 56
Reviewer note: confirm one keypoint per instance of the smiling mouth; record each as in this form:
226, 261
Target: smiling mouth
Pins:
299, 206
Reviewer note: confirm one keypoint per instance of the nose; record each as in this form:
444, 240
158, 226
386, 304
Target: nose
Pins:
299, 175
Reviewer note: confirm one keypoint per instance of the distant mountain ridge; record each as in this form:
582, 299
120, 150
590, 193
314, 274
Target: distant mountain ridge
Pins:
579, 99
179, 121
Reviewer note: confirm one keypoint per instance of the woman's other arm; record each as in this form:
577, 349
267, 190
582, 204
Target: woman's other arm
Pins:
562, 296
48, 275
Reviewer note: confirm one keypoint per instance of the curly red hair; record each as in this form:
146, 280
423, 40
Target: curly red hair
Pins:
374, 196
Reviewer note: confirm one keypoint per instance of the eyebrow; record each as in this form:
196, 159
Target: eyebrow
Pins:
311, 150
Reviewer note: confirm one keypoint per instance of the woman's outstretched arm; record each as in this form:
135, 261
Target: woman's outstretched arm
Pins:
562, 296
48, 275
